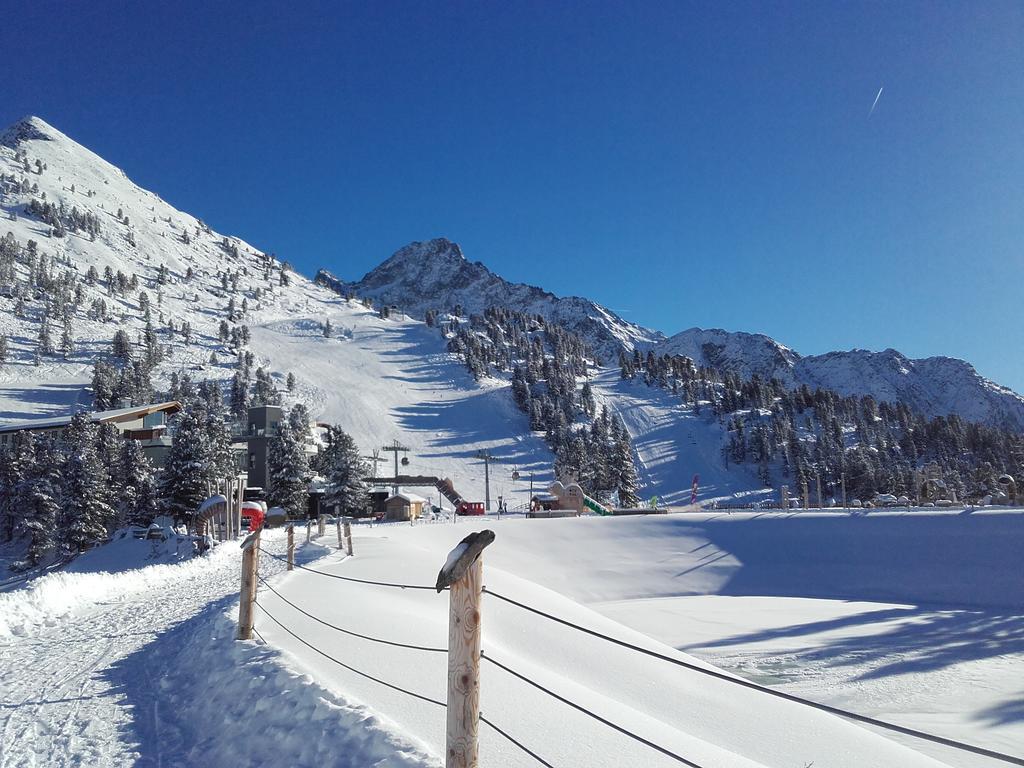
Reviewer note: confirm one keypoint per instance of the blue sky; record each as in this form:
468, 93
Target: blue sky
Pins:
708, 164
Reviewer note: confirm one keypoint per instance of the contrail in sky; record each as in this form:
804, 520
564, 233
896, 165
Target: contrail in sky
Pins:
875, 104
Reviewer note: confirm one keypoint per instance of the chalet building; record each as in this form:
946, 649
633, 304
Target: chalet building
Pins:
404, 506
145, 423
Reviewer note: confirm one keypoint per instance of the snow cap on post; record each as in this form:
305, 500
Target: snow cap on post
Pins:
463, 556
249, 540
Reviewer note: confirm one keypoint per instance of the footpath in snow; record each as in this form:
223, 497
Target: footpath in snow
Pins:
141, 668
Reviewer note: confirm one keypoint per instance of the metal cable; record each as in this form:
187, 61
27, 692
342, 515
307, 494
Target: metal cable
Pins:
327, 656
771, 691
594, 715
350, 578
348, 631
522, 746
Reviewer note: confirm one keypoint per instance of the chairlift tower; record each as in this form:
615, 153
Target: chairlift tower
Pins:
486, 457
397, 448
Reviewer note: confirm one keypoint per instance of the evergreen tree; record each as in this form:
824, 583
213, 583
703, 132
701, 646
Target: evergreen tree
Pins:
16, 464
67, 341
187, 471
239, 397
39, 505
289, 471
264, 392
626, 482
84, 511
343, 469
138, 505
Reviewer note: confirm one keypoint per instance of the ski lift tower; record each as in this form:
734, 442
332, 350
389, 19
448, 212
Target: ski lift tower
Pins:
486, 458
396, 448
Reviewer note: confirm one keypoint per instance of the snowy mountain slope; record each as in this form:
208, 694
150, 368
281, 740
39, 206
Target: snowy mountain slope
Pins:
935, 386
436, 275
389, 380
672, 444
743, 353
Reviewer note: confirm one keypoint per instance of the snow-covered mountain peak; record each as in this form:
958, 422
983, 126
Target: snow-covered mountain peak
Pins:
435, 275
736, 351
30, 128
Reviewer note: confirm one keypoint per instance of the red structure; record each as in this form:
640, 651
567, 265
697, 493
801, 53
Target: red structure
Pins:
470, 508
253, 512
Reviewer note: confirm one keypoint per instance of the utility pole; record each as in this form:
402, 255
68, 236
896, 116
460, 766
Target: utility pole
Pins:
843, 478
807, 502
818, 475
486, 457
396, 448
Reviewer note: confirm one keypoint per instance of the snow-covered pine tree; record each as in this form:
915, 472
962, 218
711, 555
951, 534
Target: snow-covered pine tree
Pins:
239, 397
67, 341
39, 502
138, 505
343, 469
288, 470
187, 470
15, 465
624, 470
263, 391
85, 514
108, 452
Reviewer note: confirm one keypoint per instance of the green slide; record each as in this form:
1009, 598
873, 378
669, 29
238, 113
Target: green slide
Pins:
594, 506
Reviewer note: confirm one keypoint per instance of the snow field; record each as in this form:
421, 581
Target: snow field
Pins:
703, 719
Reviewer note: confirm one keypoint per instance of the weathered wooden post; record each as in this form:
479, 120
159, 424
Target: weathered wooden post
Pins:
291, 546
337, 523
250, 552
463, 573
348, 538
309, 530
321, 525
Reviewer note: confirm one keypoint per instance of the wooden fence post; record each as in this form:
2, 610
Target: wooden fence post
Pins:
321, 525
250, 553
309, 530
337, 523
463, 573
348, 538
291, 546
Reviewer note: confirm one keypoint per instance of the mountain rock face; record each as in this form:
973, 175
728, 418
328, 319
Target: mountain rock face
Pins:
436, 275
935, 386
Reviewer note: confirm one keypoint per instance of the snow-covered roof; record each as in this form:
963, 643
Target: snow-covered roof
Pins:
116, 415
412, 498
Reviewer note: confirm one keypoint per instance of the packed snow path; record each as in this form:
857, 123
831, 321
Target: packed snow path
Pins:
117, 673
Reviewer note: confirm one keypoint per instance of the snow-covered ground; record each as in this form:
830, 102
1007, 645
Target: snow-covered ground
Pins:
140, 667
915, 619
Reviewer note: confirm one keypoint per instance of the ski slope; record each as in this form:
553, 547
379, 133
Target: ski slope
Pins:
671, 444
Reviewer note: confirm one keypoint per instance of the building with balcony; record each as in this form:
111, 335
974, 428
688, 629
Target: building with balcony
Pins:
145, 423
